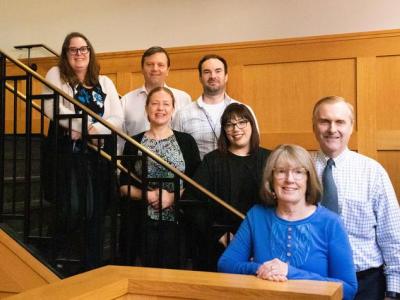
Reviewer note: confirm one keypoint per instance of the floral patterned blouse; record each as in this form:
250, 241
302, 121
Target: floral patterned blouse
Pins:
169, 150
92, 98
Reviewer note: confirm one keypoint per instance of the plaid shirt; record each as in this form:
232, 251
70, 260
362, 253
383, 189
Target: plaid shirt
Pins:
370, 212
194, 119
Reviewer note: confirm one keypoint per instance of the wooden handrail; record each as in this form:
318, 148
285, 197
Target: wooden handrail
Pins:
123, 135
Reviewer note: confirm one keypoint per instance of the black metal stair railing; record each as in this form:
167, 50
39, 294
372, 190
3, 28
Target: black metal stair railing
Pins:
36, 217
32, 46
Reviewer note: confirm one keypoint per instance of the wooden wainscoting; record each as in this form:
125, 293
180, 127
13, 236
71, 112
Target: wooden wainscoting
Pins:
282, 79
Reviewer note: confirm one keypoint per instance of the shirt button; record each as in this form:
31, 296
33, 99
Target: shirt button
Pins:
289, 237
289, 245
289, 254
289, 229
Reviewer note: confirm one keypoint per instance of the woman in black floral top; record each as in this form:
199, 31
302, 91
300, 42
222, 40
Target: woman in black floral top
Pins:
178, 149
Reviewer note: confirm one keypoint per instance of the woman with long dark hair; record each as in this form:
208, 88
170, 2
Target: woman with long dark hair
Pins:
78, 179
233, 172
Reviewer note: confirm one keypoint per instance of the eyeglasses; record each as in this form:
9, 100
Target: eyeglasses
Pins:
240, 124
297, 173
81, 50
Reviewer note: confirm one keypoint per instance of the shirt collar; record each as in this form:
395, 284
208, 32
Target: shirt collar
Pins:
201, 103
338, 159
143, 90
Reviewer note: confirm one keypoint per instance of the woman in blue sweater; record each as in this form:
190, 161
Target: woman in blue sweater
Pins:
290, 236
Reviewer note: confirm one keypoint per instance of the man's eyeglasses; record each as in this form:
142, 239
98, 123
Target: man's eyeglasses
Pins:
297, 173
81, 50
240, 124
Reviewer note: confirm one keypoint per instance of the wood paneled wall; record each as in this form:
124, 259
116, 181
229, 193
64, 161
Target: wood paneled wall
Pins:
282, 79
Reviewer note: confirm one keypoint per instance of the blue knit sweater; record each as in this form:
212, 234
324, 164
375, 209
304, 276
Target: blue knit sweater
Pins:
315, 248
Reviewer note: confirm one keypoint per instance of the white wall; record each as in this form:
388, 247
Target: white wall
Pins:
116, 25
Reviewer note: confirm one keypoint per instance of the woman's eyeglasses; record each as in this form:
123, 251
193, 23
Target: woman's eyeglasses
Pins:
297, 173
81, 50
240, 124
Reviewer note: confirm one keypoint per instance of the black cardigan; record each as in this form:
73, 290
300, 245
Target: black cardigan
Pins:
186, 143
229, 177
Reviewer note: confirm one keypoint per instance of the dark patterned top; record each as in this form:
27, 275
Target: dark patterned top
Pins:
93, 98
169, 150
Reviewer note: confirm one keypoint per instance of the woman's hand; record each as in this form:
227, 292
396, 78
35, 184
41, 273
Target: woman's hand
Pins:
93, 130
274, 270
75, 135
152, 198
167, 199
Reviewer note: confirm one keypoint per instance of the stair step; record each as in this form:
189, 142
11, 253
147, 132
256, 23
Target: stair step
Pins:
14, 155
17, 192
18, 179
19, 168
19, 148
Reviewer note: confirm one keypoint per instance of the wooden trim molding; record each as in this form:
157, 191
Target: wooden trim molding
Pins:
388, 140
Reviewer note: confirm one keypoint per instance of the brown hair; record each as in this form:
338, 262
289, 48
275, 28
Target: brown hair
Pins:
238, 110
67, 73
154, 50
158, 89
212, 56
290, 153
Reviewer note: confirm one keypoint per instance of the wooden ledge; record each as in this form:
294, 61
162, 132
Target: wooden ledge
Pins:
115, 282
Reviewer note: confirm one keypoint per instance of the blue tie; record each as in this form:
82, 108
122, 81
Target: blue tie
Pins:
330, 195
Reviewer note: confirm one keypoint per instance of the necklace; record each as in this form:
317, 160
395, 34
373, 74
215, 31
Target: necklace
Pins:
213, 125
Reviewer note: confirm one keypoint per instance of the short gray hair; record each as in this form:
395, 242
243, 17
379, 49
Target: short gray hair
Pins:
332, 100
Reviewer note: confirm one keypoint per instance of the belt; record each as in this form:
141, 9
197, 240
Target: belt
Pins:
370, 271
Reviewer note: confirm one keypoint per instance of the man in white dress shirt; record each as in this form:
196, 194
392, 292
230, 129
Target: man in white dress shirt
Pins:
365, 200
155, 67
